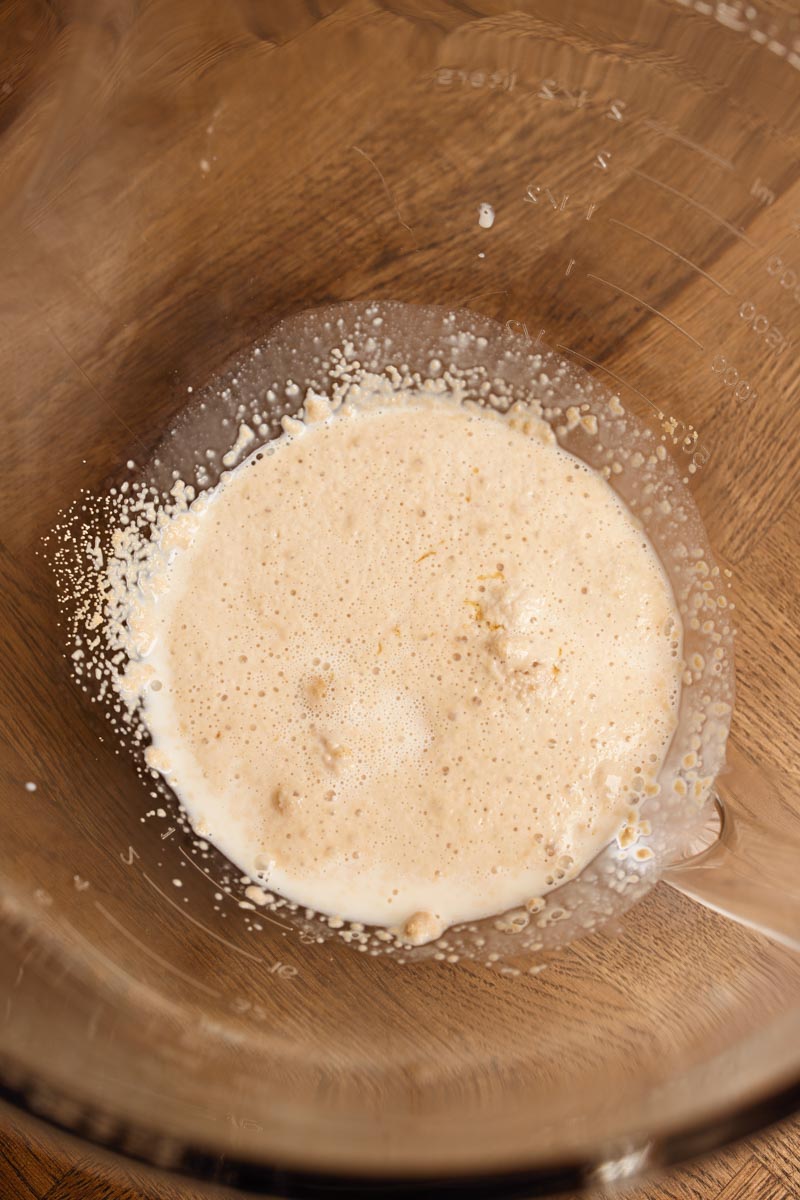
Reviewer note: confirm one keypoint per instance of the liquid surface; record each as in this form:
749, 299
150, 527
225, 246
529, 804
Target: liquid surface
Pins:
411, 665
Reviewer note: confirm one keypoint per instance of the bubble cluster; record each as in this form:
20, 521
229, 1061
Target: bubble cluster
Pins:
414, 661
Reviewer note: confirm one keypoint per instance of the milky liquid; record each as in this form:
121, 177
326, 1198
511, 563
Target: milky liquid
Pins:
411, 665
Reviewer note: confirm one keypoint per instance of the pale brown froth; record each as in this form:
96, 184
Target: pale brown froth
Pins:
416, 663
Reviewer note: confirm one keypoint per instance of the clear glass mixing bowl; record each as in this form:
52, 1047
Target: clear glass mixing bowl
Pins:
177, 177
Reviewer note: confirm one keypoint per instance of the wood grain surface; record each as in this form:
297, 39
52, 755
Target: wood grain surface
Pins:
105, 396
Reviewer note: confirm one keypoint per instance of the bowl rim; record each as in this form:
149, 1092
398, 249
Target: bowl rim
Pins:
577, 1173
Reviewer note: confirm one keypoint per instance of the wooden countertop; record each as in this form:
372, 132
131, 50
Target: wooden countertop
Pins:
36, 1165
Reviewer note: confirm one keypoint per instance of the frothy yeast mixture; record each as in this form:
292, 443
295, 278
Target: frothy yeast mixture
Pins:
411, 665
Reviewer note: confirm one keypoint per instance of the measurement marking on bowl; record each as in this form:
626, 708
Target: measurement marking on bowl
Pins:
760, 324
686, 141
656, 312
216, 936
730, 378
760, 192
145, 949
205, 874
243, 1122
91, 951
696, 204
386, 188
608, 371
261, 915
483, 295
674, 253
691, 443
94, 1021
21, 972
